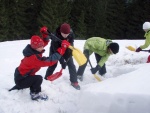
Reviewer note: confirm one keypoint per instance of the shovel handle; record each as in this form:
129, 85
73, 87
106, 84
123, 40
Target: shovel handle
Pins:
145, 50
96, 76
71, 47
90, 63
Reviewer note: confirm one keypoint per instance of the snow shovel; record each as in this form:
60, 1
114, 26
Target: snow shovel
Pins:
77, 54
134, 49
96, 76
131, 48
55, 76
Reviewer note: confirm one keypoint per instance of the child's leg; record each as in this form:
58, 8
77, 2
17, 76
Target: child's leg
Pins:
81, 69
102, 71
32, 82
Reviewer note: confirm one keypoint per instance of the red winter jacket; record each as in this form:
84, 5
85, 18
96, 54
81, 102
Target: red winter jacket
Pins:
33, 61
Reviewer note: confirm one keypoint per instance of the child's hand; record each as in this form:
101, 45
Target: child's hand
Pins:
94, 70
138, 49
65, 44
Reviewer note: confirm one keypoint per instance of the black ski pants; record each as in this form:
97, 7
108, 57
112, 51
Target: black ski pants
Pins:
81, 69
32, 82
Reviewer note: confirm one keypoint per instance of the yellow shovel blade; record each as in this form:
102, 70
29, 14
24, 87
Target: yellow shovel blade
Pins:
130, 48
97, 77
78, 56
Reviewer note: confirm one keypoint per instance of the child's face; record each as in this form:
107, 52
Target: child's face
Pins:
110, 51
145, 30
64, 35
40, 49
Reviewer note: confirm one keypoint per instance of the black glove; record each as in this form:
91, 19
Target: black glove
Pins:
138, 49
44, 58
94, 70
63, 63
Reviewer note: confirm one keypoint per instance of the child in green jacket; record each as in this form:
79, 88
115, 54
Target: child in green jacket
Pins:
146, 28
102, 48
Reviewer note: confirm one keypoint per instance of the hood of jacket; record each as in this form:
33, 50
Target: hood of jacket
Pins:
28, 51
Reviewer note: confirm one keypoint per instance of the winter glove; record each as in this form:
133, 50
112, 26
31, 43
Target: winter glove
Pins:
65, 44
63, 63
44, 30
138, 49
94, 70
61, 50
44, 58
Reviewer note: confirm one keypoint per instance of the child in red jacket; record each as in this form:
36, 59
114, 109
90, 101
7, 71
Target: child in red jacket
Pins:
25, 76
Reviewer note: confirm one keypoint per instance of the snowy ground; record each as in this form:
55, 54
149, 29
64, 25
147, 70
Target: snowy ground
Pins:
126, 88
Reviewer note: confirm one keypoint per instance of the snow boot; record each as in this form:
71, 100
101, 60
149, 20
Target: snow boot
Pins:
76, 85
36, 96
80, 77
148, 59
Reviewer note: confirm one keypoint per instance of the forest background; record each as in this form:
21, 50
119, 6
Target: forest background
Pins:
113, 19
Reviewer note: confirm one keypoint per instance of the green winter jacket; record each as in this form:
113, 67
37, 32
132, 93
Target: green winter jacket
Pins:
98, 45
147, 41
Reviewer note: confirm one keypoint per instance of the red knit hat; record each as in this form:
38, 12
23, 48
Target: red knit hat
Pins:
36, 42
65, 28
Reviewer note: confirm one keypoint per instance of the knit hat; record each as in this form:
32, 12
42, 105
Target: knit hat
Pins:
114, 47
146, 25
65, 28
36, 42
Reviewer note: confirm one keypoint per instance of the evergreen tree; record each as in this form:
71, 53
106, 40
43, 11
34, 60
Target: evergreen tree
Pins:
32, 10
90, 16
12, 16
77, 18
3, 20
100, 18
115, 20
81, 27
54, 13
137, 14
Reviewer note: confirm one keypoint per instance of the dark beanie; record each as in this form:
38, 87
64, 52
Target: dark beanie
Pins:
114, 47
65, 28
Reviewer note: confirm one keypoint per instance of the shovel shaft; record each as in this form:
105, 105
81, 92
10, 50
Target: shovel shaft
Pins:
96, 76
145, 50
90, 63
